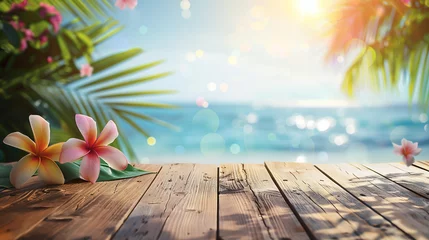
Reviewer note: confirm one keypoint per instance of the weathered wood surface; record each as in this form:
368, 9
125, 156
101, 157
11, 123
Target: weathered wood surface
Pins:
412, 178
181, 203
251, 206
97, 211
402, 207
326, 209
235, 201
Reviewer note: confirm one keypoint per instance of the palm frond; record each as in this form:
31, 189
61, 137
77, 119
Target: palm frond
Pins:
396, 34
86, 10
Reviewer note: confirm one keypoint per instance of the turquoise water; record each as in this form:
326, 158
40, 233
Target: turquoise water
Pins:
245, 133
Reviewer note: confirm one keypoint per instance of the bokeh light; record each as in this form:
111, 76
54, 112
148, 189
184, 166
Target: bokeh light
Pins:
200, 101
341, 139
143, 29
232, 60
185, 5
252, 118
207, 120
224, 87
151, 141
301, 159
186, 14
199, 53
190, 57
423, 118
272, 137
211, 86
212, 144
234, 148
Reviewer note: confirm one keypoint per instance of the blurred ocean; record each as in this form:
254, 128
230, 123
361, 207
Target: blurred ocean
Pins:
245, 133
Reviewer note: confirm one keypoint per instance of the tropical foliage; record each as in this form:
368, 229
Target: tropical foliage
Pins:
42, 76
393, 39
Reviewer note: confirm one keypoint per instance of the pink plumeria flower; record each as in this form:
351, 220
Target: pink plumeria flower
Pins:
122, 4
86, 70
23, 45
28, 34
53, 14
18, 6
93, 148
407, 150
40, 155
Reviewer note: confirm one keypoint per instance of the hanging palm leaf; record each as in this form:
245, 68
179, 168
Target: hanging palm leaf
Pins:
393, 37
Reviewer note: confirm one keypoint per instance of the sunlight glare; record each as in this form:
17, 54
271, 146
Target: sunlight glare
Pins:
308, 7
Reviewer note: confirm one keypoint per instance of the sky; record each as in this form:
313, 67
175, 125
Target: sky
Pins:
241, 51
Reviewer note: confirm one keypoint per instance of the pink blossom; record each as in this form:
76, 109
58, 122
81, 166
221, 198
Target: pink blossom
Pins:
28, 34
18, 6
86, 70
53, 14
93, 148
407, 150
23, 45
122, 4
49, 59
17, 25
43, 38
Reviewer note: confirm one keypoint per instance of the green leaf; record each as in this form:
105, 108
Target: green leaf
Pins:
11, 34
71, 172
4, 176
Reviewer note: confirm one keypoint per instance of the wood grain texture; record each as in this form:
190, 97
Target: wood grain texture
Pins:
404, 208
251, 206
412, 178
422, 164
22, 209
96, 211
180, 204
327, 210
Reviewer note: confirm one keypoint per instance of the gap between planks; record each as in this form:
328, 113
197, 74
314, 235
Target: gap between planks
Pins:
326, 209
405, 209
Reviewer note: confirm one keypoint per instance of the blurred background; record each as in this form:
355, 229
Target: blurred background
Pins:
223, 81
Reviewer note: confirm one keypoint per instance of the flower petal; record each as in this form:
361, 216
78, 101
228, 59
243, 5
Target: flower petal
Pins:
121, 4
87, 127
108, 135
115, 158
53, 152
41, 131
49, 172
20, 141
397, 149
73, 150
90, 167
409, 160
417, 151
23, 170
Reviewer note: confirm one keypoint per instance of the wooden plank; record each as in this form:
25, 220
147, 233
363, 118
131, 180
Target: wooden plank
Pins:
422, 164
22, 209
412, 178
180, 204
405, 209
327, 210
95, 212
251, 206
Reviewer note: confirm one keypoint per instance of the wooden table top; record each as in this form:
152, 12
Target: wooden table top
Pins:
275, 200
